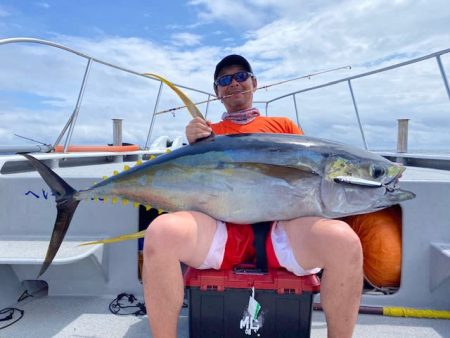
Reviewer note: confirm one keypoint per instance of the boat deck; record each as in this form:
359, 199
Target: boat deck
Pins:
66, 316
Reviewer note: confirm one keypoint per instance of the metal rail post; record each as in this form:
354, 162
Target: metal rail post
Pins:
117, 137
444, 77
152, 122
402, 136
207, 106
296, 111
77, 106
357, 115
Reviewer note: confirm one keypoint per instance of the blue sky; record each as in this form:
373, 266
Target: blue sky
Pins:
183, 40
151, 20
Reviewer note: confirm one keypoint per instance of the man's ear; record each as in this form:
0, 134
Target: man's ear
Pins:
215, 90
255, 84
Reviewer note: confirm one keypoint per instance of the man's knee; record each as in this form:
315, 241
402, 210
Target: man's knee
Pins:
344, 243
163, 233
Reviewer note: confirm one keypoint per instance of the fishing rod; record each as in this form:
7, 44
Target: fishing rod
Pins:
308, 76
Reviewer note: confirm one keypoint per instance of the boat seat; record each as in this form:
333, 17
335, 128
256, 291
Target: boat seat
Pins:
33, 252
71, 265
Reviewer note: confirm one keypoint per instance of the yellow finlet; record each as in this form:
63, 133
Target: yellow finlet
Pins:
115, 172
152, 157
148, 207
104, 178
168, 151
138, 162
95, 199
124, 201
105, 200
114, 200
126, 167
135, 204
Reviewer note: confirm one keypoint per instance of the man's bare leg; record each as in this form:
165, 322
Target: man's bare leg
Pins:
171, 239
333, 246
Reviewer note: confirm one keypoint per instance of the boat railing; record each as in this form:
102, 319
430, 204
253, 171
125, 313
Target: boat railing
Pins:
68, 129
293, 95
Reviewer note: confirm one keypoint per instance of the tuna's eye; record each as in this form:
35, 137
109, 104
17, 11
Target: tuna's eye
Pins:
376, 171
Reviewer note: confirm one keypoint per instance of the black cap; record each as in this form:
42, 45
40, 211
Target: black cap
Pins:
232, 60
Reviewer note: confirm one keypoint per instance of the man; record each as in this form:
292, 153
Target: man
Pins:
303, 246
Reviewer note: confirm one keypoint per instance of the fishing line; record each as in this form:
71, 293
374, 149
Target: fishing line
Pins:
172, 110
30, 139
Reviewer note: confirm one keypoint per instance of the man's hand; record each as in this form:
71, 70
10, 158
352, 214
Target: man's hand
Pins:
197, 128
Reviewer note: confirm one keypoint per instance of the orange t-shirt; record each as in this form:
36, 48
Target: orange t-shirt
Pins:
260, 124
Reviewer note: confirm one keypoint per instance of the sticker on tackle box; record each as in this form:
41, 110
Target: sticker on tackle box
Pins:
252, 319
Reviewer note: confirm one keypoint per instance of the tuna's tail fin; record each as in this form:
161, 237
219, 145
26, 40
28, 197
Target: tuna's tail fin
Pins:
65, 204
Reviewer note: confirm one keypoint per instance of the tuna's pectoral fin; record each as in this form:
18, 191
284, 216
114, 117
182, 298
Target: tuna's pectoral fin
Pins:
121, 238
65, 204
285, 172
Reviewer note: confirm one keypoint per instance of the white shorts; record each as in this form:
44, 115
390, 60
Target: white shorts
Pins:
280, 242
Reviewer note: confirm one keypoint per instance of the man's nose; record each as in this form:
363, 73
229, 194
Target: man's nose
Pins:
233, 82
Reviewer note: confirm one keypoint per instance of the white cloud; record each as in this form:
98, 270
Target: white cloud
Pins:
186, 39
43, 5
4, 12
236, 14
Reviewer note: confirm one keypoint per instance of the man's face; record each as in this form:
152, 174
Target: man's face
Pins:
238, 100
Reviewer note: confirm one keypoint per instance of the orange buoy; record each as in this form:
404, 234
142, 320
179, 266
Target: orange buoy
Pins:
380, 233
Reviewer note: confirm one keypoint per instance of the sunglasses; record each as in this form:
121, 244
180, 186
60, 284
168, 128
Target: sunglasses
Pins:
227, 79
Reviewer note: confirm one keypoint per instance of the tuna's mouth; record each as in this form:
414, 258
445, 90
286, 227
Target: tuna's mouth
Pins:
394, 174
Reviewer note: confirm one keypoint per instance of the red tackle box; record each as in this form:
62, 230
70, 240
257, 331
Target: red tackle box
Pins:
219, 300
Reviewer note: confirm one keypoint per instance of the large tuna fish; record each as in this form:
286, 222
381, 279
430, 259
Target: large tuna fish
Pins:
245, 178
